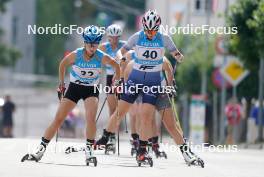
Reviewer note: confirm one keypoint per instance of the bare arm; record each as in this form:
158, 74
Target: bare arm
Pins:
169, 44
120, 53
131, 42
168, 69
112, 62
123, 65
66, 61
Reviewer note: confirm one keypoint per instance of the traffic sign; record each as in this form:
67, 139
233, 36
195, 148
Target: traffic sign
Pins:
217, 79
234, 71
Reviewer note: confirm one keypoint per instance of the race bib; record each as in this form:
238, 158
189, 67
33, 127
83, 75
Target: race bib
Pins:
149, 53
86, 73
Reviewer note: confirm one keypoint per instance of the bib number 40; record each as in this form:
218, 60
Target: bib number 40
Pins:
150, 54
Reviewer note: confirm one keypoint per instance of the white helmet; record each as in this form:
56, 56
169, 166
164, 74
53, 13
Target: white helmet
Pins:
114, 30
151, 20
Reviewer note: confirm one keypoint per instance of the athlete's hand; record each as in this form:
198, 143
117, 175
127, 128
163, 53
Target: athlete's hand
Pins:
178, 56
118, 86
172, 92
119, 82
173, 89
61, 90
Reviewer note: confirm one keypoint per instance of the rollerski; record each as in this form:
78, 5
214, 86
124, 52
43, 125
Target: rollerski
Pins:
111, 145
89, 156
144, 158
192, 159
158, 153
71, 149
35, 156
198, 160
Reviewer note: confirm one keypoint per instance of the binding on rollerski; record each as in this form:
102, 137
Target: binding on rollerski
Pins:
134, 148
144, 158
191, 158
90, 158
35, 156
111, 145
158, 153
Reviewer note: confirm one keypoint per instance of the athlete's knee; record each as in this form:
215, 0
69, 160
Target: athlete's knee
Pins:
147, 115
132, 115
90, 120
59, 119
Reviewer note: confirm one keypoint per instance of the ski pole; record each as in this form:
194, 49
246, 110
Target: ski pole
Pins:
101, 109
161, 126
171, 100
57, 133
126, 124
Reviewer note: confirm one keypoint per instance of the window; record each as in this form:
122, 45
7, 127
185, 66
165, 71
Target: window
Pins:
200, 6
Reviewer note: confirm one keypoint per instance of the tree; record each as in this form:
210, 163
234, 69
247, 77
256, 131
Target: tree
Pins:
51, 47
2, 5
8, 55
247, 16
194, 63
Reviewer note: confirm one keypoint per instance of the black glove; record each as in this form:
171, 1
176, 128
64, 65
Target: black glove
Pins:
118, 86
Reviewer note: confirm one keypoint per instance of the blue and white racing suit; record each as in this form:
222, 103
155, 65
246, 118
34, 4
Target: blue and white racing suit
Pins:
147, 67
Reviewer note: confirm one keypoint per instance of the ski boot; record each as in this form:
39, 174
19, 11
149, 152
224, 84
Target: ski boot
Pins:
191, 159
158, 152
101, 143
134, 144
144, 158
90, 158
111, 145
36, 156
149, 147
188, 154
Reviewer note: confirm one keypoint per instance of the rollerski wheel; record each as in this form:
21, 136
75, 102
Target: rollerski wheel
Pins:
200, 162
29, 157
71, 149
197, 162
145, 161
91, 160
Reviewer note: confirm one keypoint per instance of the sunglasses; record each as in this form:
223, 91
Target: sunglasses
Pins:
92, 44
151, 32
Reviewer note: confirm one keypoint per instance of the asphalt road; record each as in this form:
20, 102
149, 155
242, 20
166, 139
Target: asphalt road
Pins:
243, 163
